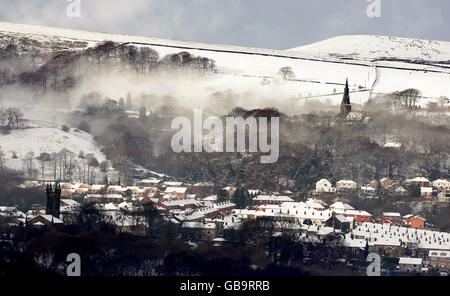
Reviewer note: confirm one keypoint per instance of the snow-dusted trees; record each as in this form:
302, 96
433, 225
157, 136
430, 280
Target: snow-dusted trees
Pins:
104, 166
286, 73
146, 58
185, 60
28, 165
92, 163
2, 159
10, 118
43, 159
406, 99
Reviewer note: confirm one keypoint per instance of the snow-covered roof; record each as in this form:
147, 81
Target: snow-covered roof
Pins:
390, 214
111, 207
425, 239
97, 186
150, 181
173, 183
400, 189
346, 182
418, 179
176, 189
51, 218
323, 181
210, 198
224, 205
273, 198
393, 145
108, 196
341, 205
70, 202
410, 261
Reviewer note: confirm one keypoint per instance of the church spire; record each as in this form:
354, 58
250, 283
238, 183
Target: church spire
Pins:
346, 106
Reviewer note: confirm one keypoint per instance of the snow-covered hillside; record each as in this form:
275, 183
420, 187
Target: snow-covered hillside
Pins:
45, 139
320, 69
379, 47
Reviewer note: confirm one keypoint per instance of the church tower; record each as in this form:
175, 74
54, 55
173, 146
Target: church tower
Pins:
53, 200
346, 106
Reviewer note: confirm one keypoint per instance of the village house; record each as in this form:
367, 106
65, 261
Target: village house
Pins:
225, 207
421, 181
178, 191
385, 246
439, 259
446, 196
104, 198
324, 186
391, 218
202, 188
148, 182
198, 231
391, 238
116, 189
386, 182
410, 264
66, 192
369, 190
178, 204
97, 188
345, 185
414, 221
230, 190
46, 221
400, 191
427, 192
347, 210
441, 184
344, 224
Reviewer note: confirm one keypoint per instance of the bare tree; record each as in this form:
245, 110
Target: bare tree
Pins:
407, 99
43, 158
28, 164
104, 166
2, 159
287, 73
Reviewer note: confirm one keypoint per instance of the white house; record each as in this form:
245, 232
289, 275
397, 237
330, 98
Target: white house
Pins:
441, 184
324, 186
426, 192
368, 190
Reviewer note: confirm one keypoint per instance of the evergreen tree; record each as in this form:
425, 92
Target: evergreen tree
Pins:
239, 198
222, 195
414, 190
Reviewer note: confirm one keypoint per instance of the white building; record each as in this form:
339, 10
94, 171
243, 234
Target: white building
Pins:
324, 186
441, 184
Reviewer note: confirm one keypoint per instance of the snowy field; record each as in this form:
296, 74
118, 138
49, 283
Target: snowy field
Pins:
45, 139
320, 68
